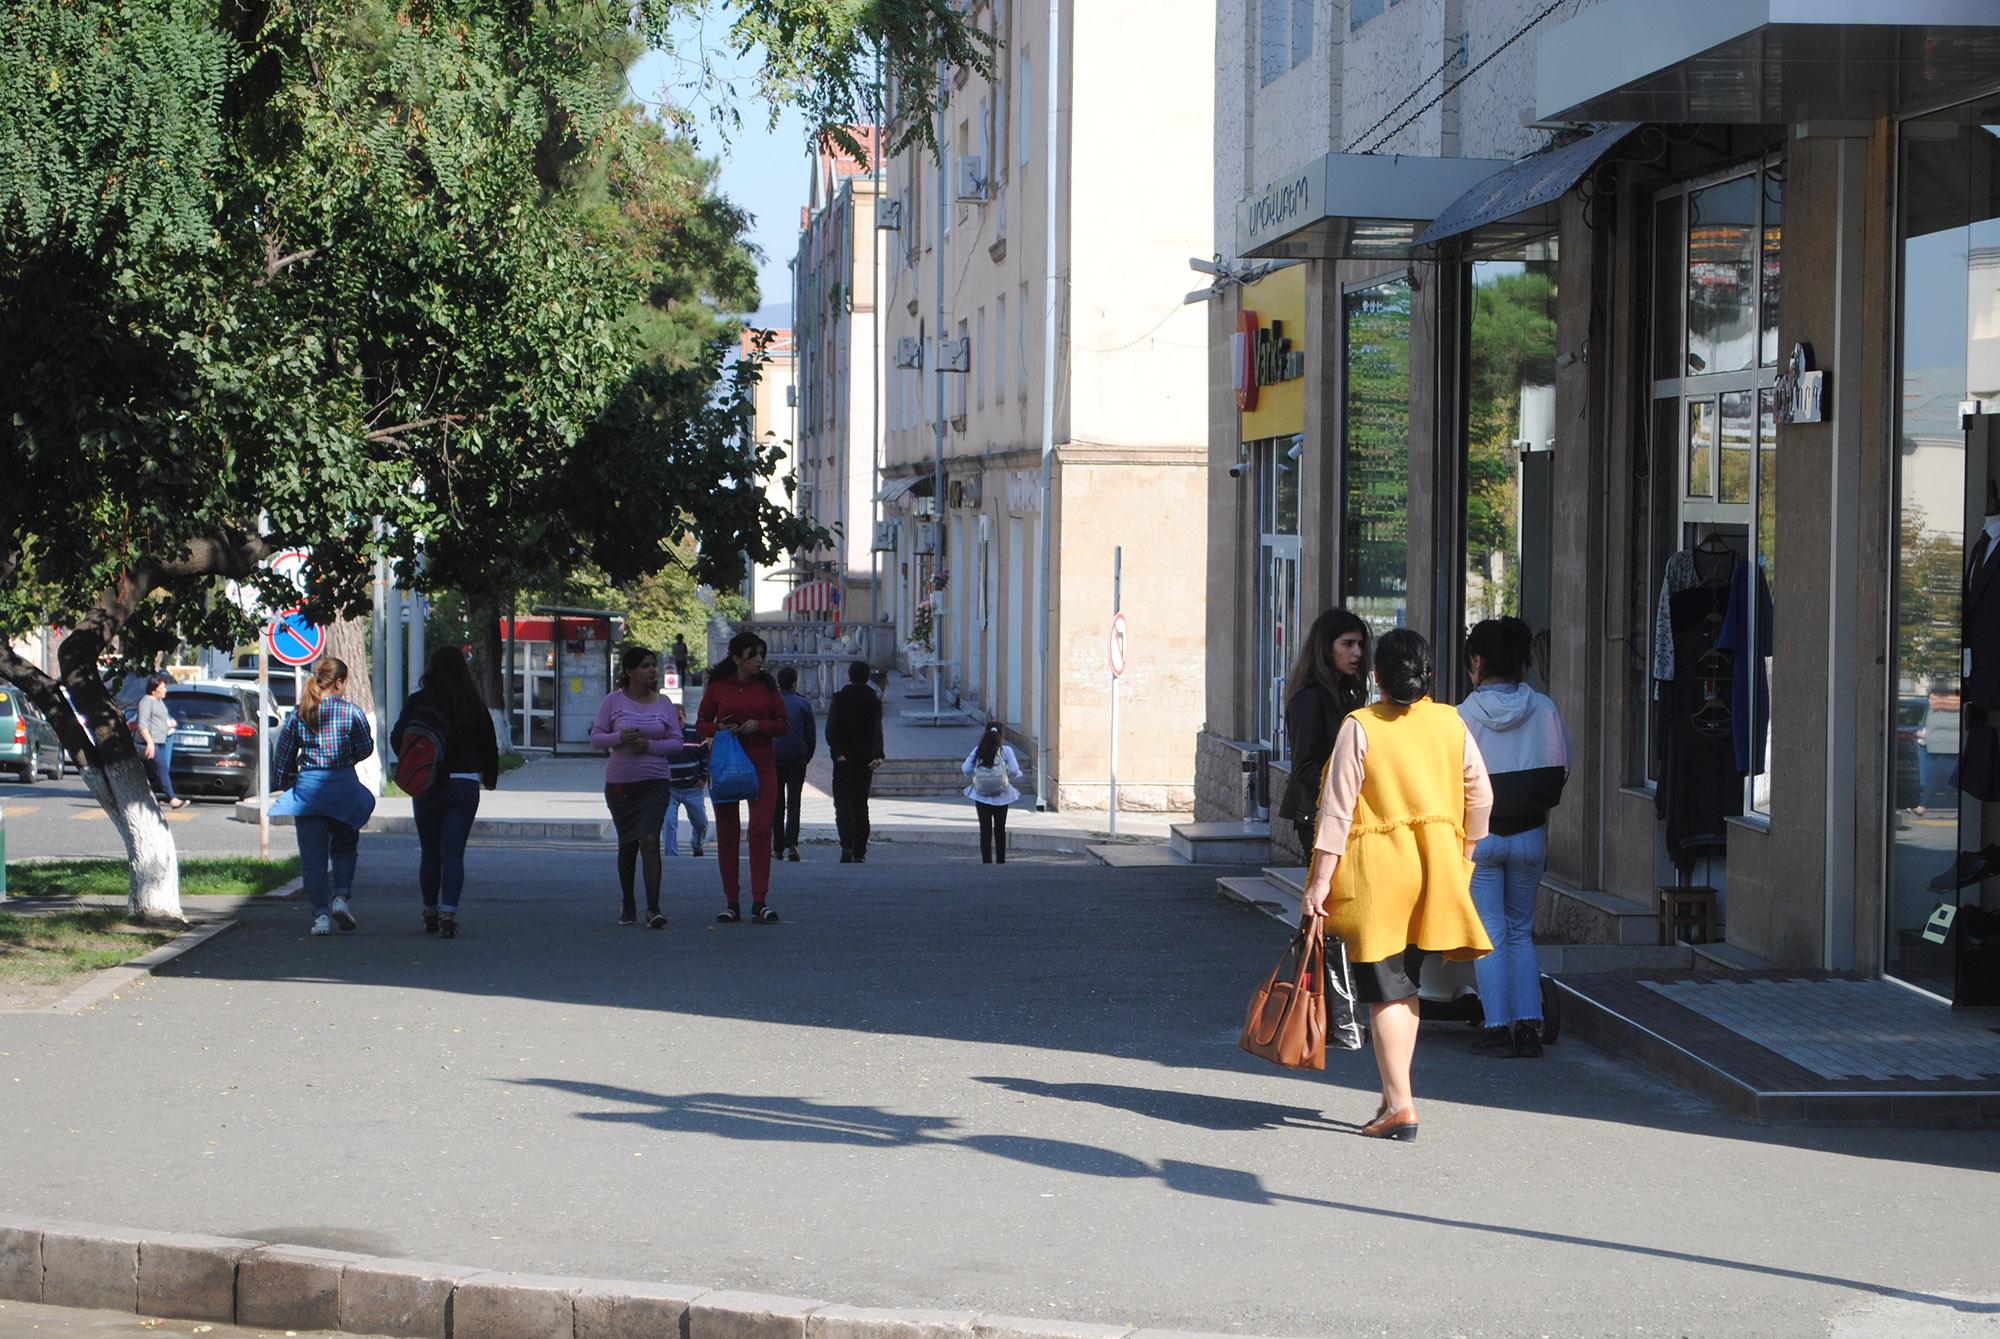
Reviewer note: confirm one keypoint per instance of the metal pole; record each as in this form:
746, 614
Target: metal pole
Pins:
1117, 580
875, 357
1052, 58
3, 850
937, 456
420, 612
392, 706
264, 744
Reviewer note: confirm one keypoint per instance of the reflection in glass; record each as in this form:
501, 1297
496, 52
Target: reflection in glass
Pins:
1764, 541
1510, 437
1286, 484
1376, 455
1669, 355
1721, 284
1774, 236
1737, 442
1701, 448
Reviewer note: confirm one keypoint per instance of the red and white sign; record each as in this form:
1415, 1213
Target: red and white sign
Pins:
294, 640
1243, 360
1115, 650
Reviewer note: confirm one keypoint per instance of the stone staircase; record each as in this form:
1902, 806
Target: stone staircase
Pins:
1221, 843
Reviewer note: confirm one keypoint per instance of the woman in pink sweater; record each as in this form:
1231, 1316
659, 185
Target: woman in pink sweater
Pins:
642, 731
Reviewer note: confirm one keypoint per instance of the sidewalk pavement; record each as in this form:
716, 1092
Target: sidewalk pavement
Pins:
943, 1084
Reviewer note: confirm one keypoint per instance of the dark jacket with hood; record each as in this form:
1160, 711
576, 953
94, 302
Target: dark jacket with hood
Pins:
1521, 736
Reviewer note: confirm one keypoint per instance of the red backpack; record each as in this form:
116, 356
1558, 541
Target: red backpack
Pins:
420, 761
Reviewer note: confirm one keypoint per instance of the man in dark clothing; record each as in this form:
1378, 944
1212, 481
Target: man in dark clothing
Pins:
854, 738
791, 751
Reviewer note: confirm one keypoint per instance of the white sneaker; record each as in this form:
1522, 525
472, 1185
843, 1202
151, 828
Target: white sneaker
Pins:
322, 926
341, 915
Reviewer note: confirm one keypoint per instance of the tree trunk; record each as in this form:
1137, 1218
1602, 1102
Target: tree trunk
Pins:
118, 780
347, 640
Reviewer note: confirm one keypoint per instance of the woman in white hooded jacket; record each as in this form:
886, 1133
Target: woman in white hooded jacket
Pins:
1521, 736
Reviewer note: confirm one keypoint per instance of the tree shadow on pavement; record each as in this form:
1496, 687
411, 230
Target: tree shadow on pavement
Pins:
763, 1116
1200, 1111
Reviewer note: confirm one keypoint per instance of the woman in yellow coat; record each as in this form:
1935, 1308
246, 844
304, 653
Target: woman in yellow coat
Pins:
1404, 799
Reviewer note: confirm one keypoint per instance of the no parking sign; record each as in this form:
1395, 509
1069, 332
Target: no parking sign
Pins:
293, 639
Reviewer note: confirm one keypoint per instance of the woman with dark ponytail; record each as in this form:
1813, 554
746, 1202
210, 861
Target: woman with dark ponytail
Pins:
1328, 681
1404, 801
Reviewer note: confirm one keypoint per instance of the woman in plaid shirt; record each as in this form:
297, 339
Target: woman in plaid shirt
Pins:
317, 749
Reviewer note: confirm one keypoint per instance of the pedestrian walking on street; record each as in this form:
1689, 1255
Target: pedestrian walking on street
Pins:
318, 747
642, 731
994, 769
740, 699
792, 752
688, 775
156, 738
854, 740
1405, 800
448, 704
1520, 734
1329, 680
679, 655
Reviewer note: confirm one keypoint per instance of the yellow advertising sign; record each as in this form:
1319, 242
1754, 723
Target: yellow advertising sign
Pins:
1271, 356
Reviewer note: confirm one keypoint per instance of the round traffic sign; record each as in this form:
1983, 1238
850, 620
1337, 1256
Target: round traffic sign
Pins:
1115, 652
293, 639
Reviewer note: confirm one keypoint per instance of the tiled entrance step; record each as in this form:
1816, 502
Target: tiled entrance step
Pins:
1221, 843
1796, 1045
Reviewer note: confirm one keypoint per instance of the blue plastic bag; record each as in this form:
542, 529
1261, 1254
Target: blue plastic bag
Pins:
731, 777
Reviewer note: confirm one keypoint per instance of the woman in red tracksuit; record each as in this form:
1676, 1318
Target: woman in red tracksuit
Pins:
740, 698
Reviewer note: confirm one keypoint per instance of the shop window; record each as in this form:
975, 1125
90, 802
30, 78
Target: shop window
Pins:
1276, 464
1510, 440
1375, 469
1284, 37
1708, 535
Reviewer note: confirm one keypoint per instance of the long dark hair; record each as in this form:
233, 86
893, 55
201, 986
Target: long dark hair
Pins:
741, 642
449, 685
1502, 645
630, 659
1403, 665
1314, 666
989, 745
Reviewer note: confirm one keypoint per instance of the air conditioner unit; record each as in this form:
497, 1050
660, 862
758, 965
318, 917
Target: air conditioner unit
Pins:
971, 179
889, 216
926, 537
909, 352
955, 355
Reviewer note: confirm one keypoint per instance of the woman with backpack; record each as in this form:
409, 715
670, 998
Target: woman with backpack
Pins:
318, 746
642, 732
444, 737
993, 769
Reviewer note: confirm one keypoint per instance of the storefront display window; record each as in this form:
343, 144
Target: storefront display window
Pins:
1374, 575
1276, 461
1510, 438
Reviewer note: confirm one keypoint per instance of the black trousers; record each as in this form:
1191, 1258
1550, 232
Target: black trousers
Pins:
785, 819
992, 832
851, 781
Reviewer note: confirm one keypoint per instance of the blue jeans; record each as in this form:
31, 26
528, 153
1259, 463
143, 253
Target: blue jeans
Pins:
1506, 877
695, 801
444, 822
162, 763
323, 841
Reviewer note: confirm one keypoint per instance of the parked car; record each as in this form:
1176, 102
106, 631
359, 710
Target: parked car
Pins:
28, 744
215, 737
284, 689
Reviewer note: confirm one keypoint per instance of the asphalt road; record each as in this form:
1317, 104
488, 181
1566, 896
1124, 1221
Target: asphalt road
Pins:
63, 819
939, 1083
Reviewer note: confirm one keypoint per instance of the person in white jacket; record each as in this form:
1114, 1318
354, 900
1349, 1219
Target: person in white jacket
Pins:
994, 769
1521, 736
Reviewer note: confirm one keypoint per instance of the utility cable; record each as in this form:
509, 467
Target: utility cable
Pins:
1452, 87
1414, 94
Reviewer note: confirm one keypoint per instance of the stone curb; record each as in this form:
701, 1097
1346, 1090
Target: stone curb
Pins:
108, 982
227, 1280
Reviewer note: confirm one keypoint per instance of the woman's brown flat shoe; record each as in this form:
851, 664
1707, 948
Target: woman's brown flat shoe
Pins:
1399, 1125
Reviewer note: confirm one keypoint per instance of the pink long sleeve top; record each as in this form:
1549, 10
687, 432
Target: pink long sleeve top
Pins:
658, 723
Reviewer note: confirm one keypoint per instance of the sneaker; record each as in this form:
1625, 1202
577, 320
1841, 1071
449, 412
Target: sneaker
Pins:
321, 926
430, 921
695, 849
793, 856
341, 915
655, 921
628, 916
1528, 1040
448, 927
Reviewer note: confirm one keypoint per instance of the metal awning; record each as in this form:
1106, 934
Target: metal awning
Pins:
1742, 62
1354, 206
920, 484
1518, 202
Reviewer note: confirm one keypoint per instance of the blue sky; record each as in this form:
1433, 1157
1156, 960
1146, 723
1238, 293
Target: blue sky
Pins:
764, 168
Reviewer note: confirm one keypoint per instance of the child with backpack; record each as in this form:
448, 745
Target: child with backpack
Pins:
993, 769
687, 779
445, 751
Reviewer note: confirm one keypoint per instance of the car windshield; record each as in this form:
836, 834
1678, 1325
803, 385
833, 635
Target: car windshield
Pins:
192, 708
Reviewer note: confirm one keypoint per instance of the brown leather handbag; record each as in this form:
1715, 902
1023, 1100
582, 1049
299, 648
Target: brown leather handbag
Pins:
1287, 1020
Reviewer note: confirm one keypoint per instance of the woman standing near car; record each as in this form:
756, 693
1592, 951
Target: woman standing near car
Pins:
739, 698
156, 738
448, 698
1329, 680
1521, 736
642, 731
1405, 801
318, 747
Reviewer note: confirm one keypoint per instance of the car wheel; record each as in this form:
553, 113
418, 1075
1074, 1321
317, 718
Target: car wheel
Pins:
29, 776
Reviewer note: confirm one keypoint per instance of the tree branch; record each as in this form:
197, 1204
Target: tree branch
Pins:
394, 431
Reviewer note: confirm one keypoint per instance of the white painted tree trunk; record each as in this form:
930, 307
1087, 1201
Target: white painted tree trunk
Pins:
121, 788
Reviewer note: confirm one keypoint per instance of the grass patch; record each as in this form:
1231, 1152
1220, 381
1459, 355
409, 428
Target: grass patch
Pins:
201, 876
508, 762
58, 944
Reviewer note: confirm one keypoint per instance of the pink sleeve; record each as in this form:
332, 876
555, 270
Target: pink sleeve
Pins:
601, 733
1341, 790
1478, 791
670, 747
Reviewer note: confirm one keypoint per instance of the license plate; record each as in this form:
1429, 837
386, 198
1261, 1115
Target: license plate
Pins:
200, 739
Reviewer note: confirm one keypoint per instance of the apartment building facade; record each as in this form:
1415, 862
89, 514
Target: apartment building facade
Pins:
1667, 326
967, 271
773, 421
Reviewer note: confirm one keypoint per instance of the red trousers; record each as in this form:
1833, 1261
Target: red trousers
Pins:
729, 831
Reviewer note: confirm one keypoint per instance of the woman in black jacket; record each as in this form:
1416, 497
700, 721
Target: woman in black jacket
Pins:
1328, 680
449, 698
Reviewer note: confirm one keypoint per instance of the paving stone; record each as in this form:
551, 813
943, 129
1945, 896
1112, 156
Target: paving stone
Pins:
91, 1268
744, 1315
606, 1310
514, 1306
190, 1277
291, 1287
410, 1298
20, 1260
1031, 1327
857, 1322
